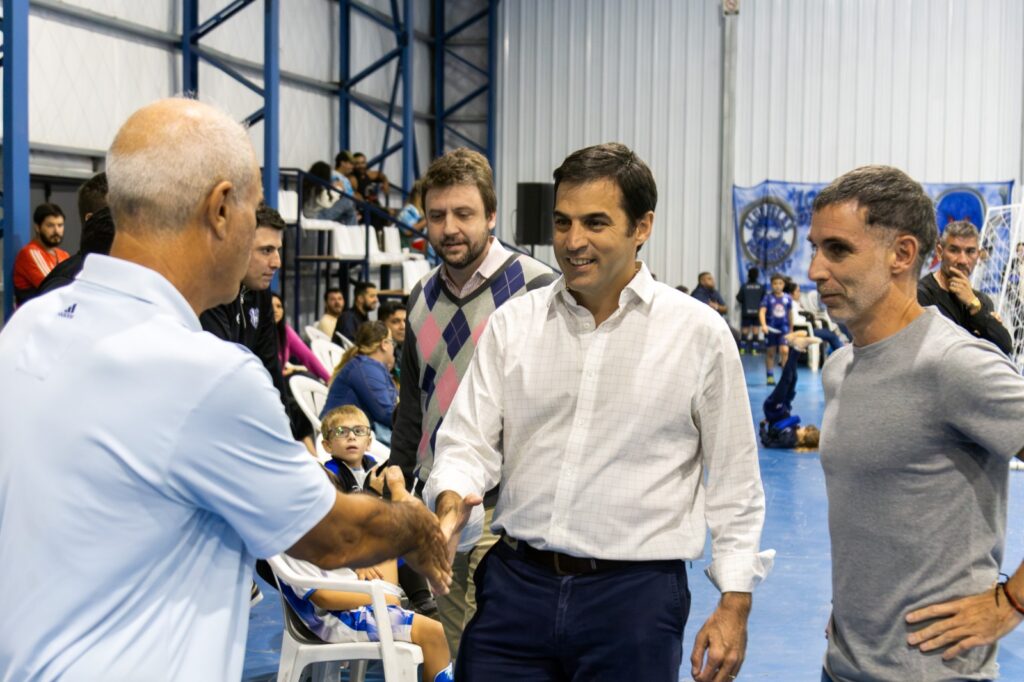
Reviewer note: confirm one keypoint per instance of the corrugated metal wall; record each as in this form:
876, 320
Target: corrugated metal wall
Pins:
930, 86
647, 74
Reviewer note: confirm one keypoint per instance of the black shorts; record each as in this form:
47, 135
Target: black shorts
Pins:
750, 321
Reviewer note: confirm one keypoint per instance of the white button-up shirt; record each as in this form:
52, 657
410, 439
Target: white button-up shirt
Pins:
620, 441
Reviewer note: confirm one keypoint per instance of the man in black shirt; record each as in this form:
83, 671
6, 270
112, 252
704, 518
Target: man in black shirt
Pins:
249, 319
365, 300
949, 287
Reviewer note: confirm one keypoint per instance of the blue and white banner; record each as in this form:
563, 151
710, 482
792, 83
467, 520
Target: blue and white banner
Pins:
774, 217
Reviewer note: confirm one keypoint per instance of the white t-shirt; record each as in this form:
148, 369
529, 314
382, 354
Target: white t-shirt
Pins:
145, 464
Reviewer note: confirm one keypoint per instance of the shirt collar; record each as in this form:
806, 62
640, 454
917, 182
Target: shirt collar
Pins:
641, 287
139, 282
492, 262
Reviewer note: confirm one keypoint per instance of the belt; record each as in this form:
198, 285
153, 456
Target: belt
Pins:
565, 564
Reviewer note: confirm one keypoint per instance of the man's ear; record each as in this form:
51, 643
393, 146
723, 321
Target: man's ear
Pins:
216, 208
642, 231
904, 253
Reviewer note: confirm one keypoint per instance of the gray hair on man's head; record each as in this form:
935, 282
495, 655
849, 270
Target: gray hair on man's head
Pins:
959, 229
167, 158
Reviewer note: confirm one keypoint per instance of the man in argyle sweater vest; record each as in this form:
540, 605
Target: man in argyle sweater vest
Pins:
441, 337
447, 312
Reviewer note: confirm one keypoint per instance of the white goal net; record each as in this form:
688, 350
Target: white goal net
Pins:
1000, 269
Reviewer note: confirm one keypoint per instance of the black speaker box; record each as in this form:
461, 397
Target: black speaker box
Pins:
534, 203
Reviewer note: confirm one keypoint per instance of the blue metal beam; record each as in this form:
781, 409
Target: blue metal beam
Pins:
229, 70
462, 26
466, 100
219, 18
344, 68
271, 101
440, 53
373, 68
444, 48
408, 105
472, 143
492, 78
458, 57
15, 147
371, 109
189, 59
389, 25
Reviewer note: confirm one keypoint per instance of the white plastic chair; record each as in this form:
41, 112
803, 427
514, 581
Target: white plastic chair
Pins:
300, 647
313, 332
342, 341
311, 395
288, 205
327, 352
412, 272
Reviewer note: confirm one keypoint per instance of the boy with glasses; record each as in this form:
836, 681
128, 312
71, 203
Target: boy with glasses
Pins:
337, 616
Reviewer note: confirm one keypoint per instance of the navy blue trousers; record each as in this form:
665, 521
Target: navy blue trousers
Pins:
779, 403
533, 625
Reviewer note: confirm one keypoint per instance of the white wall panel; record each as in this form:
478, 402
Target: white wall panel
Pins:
84, 83
645, 73
931, 86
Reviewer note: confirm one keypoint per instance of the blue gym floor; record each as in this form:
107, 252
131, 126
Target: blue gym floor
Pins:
791, 607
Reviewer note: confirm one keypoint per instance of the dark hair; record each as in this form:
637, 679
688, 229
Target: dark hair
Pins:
269, 217
279, 330
355, 154
462, 167
778, 275
894, 202
319, 170
44, 211
98, 233
92, 195
343, 155
389, 309
790, 287
683, 288
753, 274
333, 290
701, 275
617, 162
361, 288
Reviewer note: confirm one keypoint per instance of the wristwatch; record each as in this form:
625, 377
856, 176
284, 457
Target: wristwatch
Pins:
974, 307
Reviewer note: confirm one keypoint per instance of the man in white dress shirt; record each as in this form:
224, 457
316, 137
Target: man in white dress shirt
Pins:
614, 412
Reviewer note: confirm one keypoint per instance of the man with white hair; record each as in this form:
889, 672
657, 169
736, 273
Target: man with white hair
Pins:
148, 463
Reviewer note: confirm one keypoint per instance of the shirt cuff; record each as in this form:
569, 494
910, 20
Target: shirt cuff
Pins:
740, 572
453, 480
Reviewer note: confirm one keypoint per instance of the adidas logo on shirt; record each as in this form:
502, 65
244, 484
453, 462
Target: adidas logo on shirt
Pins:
68, 312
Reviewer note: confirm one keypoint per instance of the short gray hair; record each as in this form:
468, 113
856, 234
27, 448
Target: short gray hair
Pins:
960, 229
894, 202
165, 181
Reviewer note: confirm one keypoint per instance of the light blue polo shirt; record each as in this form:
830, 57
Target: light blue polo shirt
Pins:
144, 464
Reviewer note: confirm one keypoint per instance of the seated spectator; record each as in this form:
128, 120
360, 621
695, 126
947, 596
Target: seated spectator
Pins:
322, 204
363, 378
365, 295
393, 314
370, 184
37, 258
824, 333
290, 346
338, 616
683, 288
705, 292
780, 428
341, 176
334, 305
412, 213
97, 237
